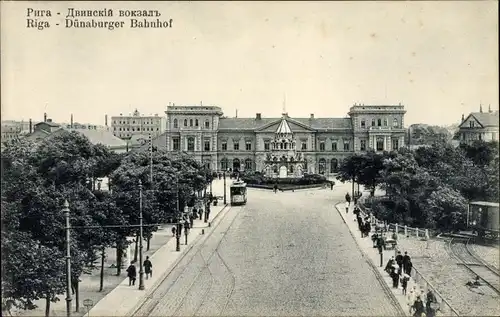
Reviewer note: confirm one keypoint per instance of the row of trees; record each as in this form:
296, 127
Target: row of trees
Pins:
38, 177
430, 186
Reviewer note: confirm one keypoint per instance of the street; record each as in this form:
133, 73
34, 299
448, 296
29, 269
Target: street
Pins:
282, 254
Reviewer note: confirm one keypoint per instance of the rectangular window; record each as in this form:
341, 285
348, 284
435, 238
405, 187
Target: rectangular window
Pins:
266, 145
176, 145
346, 146
334, 146
363, 123
248, 146
190, 144
304, 146
363, 145
379, 122
236, 146
207, 145
224, 146
321, 146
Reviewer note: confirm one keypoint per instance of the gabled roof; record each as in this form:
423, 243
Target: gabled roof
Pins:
486, 119
312, 123
50, 124
283, 127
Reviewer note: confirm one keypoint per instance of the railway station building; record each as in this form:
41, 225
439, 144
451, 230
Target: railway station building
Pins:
283, 146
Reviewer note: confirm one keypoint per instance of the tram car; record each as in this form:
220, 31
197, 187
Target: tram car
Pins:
483, 217
238, 193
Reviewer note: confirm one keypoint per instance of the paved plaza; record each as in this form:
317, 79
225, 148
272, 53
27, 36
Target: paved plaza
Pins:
284, 254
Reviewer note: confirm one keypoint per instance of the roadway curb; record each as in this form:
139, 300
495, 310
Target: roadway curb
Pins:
372, 265
165, 274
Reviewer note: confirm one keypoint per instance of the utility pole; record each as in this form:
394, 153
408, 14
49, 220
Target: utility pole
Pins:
68, 259
141, 269
178, 212
151, 160
224, 187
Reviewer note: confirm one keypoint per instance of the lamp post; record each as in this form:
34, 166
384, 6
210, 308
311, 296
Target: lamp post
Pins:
224, 187
68, 259
141, 269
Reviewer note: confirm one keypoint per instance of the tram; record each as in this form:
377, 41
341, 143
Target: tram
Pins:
238, 193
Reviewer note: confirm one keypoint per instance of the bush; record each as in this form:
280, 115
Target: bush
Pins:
258, 178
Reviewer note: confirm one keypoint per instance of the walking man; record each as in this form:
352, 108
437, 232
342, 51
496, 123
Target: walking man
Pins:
148, 267
132, 274
348, 198
346, 207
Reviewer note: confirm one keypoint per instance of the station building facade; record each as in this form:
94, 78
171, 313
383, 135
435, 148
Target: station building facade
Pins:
282, 146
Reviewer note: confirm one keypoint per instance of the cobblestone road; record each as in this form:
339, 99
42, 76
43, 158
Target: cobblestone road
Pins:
284, 254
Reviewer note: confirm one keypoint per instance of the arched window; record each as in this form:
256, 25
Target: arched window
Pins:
190, 144
185, 122
248, 164
322, 166
373, 122
395, 122
196, 122
236, 164
334, 163
207, 124
176, 124
223, 164
190, 122
385, 122
379, 122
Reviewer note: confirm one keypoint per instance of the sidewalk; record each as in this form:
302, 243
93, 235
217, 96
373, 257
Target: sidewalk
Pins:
124, 298
366, 246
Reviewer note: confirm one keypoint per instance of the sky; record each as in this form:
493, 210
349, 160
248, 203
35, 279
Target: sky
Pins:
439, 59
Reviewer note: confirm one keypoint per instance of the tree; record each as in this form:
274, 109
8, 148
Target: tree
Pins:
447, 208
370, 166
350, 169
480, 152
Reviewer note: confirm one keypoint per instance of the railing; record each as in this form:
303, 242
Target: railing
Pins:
443, 307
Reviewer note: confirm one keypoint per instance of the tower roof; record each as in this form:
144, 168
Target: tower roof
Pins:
284, 127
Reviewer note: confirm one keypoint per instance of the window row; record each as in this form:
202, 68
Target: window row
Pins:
236, 164
236, 146
378, 122
136, 129
335, 147
334, 166
136, 122
192, 123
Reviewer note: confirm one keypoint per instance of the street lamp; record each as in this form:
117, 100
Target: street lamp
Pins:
141, 269
68, 259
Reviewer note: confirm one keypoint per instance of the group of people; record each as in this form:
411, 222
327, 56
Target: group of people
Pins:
364, 224
132, 271
416, 299
399, 269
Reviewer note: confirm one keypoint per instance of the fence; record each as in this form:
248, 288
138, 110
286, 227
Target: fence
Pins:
443, 307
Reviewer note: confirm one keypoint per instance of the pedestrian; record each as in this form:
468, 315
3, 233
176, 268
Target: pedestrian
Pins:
408, 267
200, 213
275, 188
132, 274
148, 267
410, 298
348, 198
346, 207
368, 228
395, 276
174, 229
390, 263
74, 284
331, 185
418, 307
355, 200
404, 282
406, 259
429, 298
399, 259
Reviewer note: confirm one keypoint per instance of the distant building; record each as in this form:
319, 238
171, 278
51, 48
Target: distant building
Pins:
125, 127
479, 126
283, 146
48, 128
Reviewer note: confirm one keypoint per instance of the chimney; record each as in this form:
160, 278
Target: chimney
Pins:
31, 126
480, 108
312, 116
258, 116
201, 103
236, 113
106, 120
489, 109
45, 117
71, 121
463, 117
